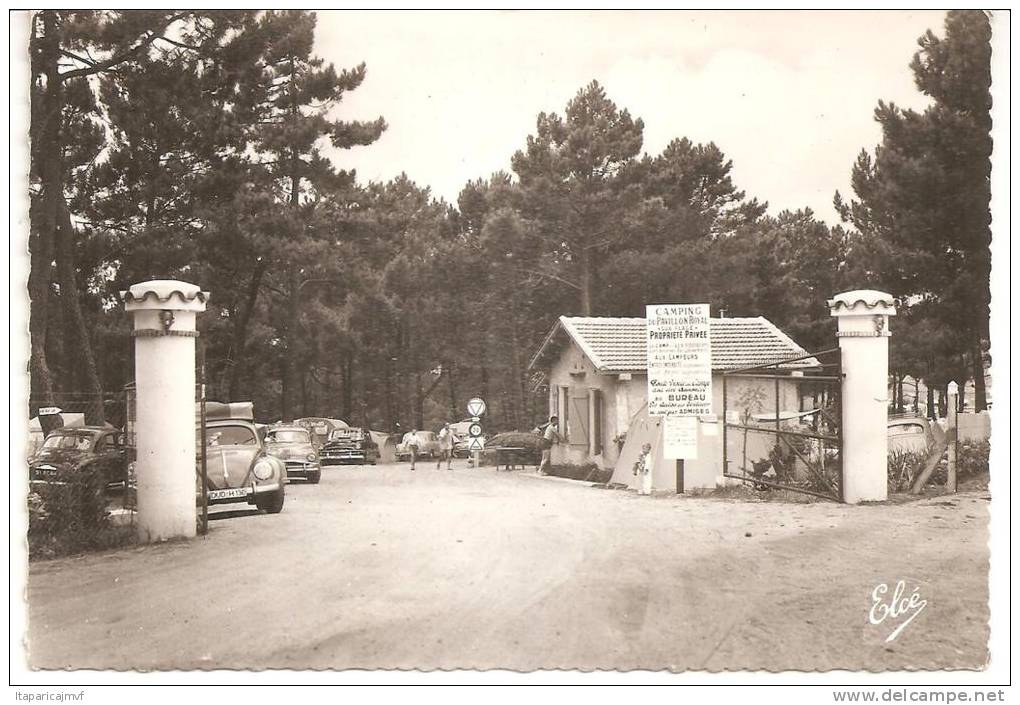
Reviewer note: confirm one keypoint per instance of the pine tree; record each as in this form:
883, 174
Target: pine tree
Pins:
925, 194
297, 93
577, 179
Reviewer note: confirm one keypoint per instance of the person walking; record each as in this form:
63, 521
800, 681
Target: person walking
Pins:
412, 445
445, 446
550, 436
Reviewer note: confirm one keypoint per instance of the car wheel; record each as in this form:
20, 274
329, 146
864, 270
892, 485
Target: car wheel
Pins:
272, 504
314, 477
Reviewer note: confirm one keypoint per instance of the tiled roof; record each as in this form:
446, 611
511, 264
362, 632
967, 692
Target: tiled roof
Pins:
620, 345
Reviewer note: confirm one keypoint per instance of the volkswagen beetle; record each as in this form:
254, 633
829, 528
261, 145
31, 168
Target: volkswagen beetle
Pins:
238, 468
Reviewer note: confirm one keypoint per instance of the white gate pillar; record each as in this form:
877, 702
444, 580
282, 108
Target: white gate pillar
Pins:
863, 319
164, 331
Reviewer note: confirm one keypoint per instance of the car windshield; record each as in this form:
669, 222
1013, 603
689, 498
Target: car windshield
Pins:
907, 428
230, 436
69, 440
345, 433
288, 436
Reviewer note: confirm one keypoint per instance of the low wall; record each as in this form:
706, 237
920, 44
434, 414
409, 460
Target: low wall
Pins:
974, 426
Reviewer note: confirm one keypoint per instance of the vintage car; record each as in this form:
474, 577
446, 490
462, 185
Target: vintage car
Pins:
909, 433
319, 427
293, 445
349, 445
85, 449
238, 469
428, 445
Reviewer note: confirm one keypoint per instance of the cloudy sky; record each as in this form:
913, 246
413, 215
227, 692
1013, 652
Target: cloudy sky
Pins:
788, 96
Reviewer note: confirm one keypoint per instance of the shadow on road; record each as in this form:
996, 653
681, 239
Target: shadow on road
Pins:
233, 514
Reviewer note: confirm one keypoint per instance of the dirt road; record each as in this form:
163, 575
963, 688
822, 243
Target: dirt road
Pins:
384, 568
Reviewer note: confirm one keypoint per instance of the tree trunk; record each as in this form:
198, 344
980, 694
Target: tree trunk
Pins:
517, 369
71, 297
899, 394
302, 379
290, 366
587, 267
39, 278
454, 411
483, 364
391, 412
347, 394
917, 392
978, 370
236, 359
45, 134
419, 402
932, 411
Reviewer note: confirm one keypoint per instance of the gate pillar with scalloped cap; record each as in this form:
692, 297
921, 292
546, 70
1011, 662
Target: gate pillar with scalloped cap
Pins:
863, 319
164, 314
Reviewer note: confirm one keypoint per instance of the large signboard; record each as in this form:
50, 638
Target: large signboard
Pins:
679, 360
680, 437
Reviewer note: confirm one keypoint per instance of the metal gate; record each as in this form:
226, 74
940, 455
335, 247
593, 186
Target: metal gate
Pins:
791, 412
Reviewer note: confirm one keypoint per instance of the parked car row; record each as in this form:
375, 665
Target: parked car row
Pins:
244, 461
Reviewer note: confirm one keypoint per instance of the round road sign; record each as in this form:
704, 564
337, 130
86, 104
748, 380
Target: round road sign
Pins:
475, 430
476, 407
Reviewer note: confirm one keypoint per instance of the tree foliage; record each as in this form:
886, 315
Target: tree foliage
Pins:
922, 200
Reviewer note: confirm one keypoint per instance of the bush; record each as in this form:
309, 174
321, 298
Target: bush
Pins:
972, 458
515, 439
589, 472
903, 468
69, 515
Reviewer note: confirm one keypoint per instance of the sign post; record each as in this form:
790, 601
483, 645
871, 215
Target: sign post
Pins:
476, 409
679, 376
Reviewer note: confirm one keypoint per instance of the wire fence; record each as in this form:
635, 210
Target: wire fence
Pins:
81, 493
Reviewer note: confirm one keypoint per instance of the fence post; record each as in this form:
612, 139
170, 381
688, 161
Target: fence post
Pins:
951, 436
164, 314
863, 320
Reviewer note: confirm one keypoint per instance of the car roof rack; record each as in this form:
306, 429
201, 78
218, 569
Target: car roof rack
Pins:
219, 411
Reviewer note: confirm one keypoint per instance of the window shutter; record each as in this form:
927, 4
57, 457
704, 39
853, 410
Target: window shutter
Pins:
596, 403
579, 418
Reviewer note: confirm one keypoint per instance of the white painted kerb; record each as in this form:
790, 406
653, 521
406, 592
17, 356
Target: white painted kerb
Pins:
165, 408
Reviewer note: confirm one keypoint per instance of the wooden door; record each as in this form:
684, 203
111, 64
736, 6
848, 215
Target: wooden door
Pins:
579, 418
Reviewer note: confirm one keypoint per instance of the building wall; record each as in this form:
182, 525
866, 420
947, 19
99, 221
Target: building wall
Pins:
573, 377
572, 382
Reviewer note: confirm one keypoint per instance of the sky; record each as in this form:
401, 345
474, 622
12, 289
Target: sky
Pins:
789, 97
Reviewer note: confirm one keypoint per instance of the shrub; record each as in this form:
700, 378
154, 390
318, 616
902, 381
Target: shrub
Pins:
972, 458
590, 472
903, 468
69, 515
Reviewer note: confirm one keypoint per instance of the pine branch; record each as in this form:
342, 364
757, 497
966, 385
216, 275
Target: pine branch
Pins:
124, 55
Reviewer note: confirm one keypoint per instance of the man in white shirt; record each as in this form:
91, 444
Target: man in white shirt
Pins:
413, 443
550, 436
445, 446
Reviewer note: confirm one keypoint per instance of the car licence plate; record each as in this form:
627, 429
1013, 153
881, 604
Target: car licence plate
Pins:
229, 494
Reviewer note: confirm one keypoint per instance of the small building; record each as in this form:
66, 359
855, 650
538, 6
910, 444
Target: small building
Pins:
598, 385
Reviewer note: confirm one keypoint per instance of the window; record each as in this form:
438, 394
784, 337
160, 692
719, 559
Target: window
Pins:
288, 436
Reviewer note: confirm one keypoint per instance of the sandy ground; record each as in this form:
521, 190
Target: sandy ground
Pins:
384, 568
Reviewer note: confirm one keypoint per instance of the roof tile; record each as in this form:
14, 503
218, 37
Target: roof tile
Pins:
620, 345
